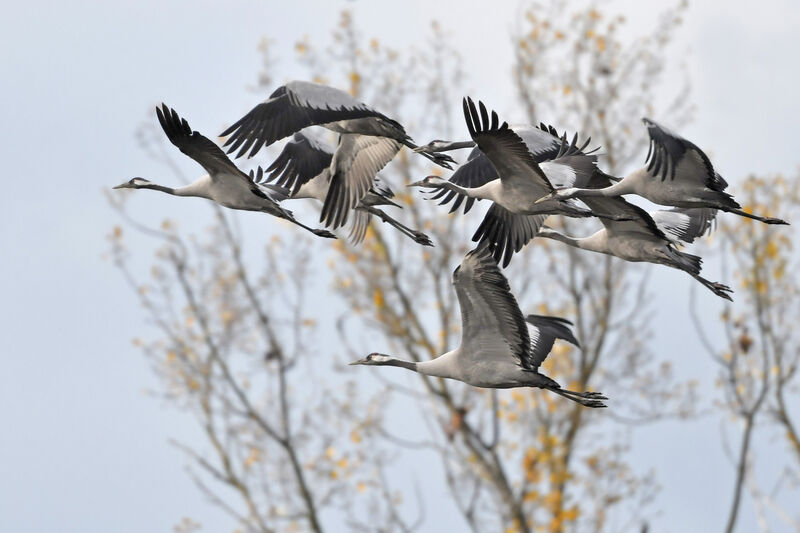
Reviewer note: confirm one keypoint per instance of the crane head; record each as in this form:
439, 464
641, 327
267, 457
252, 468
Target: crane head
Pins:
132, 183
432, 147
430, 181
374, 358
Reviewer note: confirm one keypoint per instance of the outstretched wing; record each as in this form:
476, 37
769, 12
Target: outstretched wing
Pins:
671, 156
358, 223
542, 142
684, 224
292, 107
355, 164
195, 145
506, 233
570, 170
490, 316
637, 220
302, 159
544, 330
477, 171
506, 150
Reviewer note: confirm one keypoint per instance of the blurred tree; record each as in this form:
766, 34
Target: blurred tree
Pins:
235, 346
758, 365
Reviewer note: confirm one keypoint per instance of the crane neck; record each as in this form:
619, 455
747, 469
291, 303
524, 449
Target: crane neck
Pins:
410, 365
156, 187
484, 192
617, 189
187, 190
586, 243
456, 145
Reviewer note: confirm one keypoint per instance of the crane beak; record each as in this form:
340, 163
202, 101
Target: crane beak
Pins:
122, 186
546, 198
359, 362
420, 183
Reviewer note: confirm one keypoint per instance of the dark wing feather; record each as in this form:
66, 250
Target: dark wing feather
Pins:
639, 220
685, 224
543, 144
302, 159
355, 164
546, 329
490, 316
506, 233
668, 151
477, 171
289, 109
504, 148
195, 145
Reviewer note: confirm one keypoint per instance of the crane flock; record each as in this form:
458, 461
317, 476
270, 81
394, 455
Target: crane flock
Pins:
527, 172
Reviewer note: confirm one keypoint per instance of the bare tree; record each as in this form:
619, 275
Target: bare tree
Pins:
235, 346
758, 365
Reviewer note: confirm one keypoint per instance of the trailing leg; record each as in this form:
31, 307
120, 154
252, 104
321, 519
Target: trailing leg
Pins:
417, 236
586, 399
765, 220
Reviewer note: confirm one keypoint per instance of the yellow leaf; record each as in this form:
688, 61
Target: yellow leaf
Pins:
601, 44
330, 452
377, 299
342, 463
355, 436
571, 514
361, 486
567, 89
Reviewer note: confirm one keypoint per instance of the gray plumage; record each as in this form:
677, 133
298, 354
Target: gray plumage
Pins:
307, 167
676, 173
224, 184
498, 348
640, 238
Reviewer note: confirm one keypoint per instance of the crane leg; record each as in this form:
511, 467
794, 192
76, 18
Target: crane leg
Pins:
766, 220
587, 399
417, 236
723, 291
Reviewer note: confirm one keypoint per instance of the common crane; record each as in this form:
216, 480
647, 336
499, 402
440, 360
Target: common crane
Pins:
522, 178
368, 140
676, 173
224, 184
499, 347
645, 237
302, 170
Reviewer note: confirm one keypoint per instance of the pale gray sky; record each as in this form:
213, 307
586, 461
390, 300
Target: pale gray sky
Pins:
82, 448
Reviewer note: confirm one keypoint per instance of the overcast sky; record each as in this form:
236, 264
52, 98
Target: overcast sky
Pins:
82, 447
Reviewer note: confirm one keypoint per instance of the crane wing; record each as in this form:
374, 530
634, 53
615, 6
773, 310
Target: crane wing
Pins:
570, 170
477, 171
491, 320
506, 150
292, 107
638, 221
355, 164
671, 156
302, 159
358, 223
506, 233
544, 330
684, 224
194, 144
